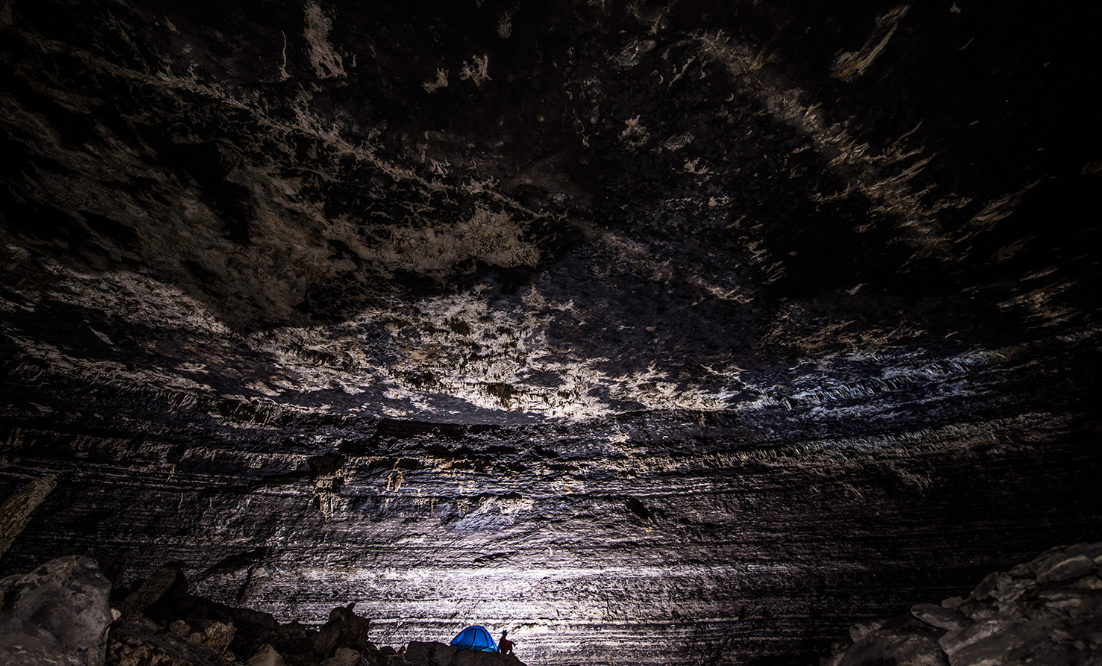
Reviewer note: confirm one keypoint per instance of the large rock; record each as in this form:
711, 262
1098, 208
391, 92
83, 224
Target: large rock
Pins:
429, 654
1047, 611
476, 658
67, 599
890, 647
438, 654
942, 618
343, 657
1063, 568
15, 513
267, 655
149, 592
25, 644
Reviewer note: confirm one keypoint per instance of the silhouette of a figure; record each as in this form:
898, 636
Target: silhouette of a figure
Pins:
505, 646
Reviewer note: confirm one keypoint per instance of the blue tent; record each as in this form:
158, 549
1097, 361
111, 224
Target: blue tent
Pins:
475, 638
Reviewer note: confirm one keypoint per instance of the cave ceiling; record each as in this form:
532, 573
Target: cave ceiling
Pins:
308, 250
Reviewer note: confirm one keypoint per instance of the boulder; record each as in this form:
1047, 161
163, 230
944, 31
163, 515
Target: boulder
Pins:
15, 512
325, 641
1010, 593
218, 636
955, 641
861, 629
1045, 612
343, 657
880, 647
66, 598
991, 584
354, 629
476, 658
994, 649
25, 644
952, 602
149, 592
429, 654
1090, 550
1021, 571
1062, 568
266, 656
942, 618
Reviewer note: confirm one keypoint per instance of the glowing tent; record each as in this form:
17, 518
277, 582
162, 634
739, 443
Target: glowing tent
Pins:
475, 638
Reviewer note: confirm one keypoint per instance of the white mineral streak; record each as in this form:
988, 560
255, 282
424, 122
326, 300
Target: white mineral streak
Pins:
441, 81
327, 62
306, 123
459, 346
883, 176
850, 65
477, 70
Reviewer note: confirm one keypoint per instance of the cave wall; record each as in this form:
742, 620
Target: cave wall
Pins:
728, 323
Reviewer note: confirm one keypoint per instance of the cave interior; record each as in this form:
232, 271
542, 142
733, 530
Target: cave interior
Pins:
654, 332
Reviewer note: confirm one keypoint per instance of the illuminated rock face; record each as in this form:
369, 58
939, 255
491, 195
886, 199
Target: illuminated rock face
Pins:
652, 333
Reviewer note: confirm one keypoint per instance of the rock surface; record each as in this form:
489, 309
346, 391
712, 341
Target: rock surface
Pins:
26, 644
726, 323
185, 630
15, 512
59, 611
1024, 619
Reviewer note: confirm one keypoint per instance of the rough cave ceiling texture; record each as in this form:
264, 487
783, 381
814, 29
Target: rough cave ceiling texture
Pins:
730, 322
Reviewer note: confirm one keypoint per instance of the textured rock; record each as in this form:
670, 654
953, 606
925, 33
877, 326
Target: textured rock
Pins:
900, 648
15, 512
354, 629
149, 592
992, 584
429, 654
343, 657
1043, 621
942, 618
218, 636
26, 644
66, 598
266, 656
474, 658
1057, 569
739, 322
858, 631
171, 640
143, 643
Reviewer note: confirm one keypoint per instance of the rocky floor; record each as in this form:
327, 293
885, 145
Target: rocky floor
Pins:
1046, 611
67, 613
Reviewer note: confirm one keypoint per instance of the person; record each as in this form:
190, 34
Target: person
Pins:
505, 646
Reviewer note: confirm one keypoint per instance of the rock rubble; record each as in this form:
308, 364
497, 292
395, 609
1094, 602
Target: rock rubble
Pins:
162, 624
1046, 611
59, 615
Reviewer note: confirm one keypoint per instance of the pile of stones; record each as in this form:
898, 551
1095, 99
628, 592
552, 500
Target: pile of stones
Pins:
62, 614
1047, 611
